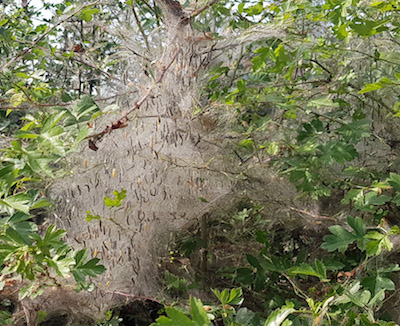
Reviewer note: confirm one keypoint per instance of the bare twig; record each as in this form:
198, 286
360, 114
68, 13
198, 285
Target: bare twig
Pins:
27, 50
140, 27
133, 296
323, 68
28, 319
315, 216
122, 121
93, 66
200, 10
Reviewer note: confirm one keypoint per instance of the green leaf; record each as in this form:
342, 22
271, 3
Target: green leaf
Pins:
42, 202
356, 130
259, 282
246, 144
339, 240
358, 225
306, 269
119, 196
253, 261
62, 266
393, 180
199, 315
244, 317
222, 296
175, 318
91, 268
15, 236
24, 228
235, 296
372, 198
261, 236
41, 316
302, 256
19, 202
303, 269
80, 257
323, 101
65, 97
87, 14
377, 282
277, 317
90, 217
241, 85
244, 275
374, 248
52, 237
22, 75
383, 82
321, 269
272, 148
51, 121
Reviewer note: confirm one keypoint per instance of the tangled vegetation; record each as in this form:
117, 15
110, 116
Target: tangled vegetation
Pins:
318, 105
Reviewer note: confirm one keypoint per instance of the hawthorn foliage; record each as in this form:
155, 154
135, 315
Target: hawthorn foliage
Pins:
327, 88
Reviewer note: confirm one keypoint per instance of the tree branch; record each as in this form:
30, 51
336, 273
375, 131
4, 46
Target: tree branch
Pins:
47, 105
200, 10
122, 121
16, 58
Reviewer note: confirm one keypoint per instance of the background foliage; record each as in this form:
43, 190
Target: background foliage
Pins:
319, 104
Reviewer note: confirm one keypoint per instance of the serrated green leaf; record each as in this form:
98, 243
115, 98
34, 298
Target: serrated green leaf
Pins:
199, 315
394, 181
358, 225
374, 248
377, 282
321, 269
339, 240
119, 196
80, 257
175, 318
19, 202
245, 317
90, 217
235, 296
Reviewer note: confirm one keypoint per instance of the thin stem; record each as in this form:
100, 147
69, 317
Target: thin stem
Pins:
122, 121
200, 10
140, 27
